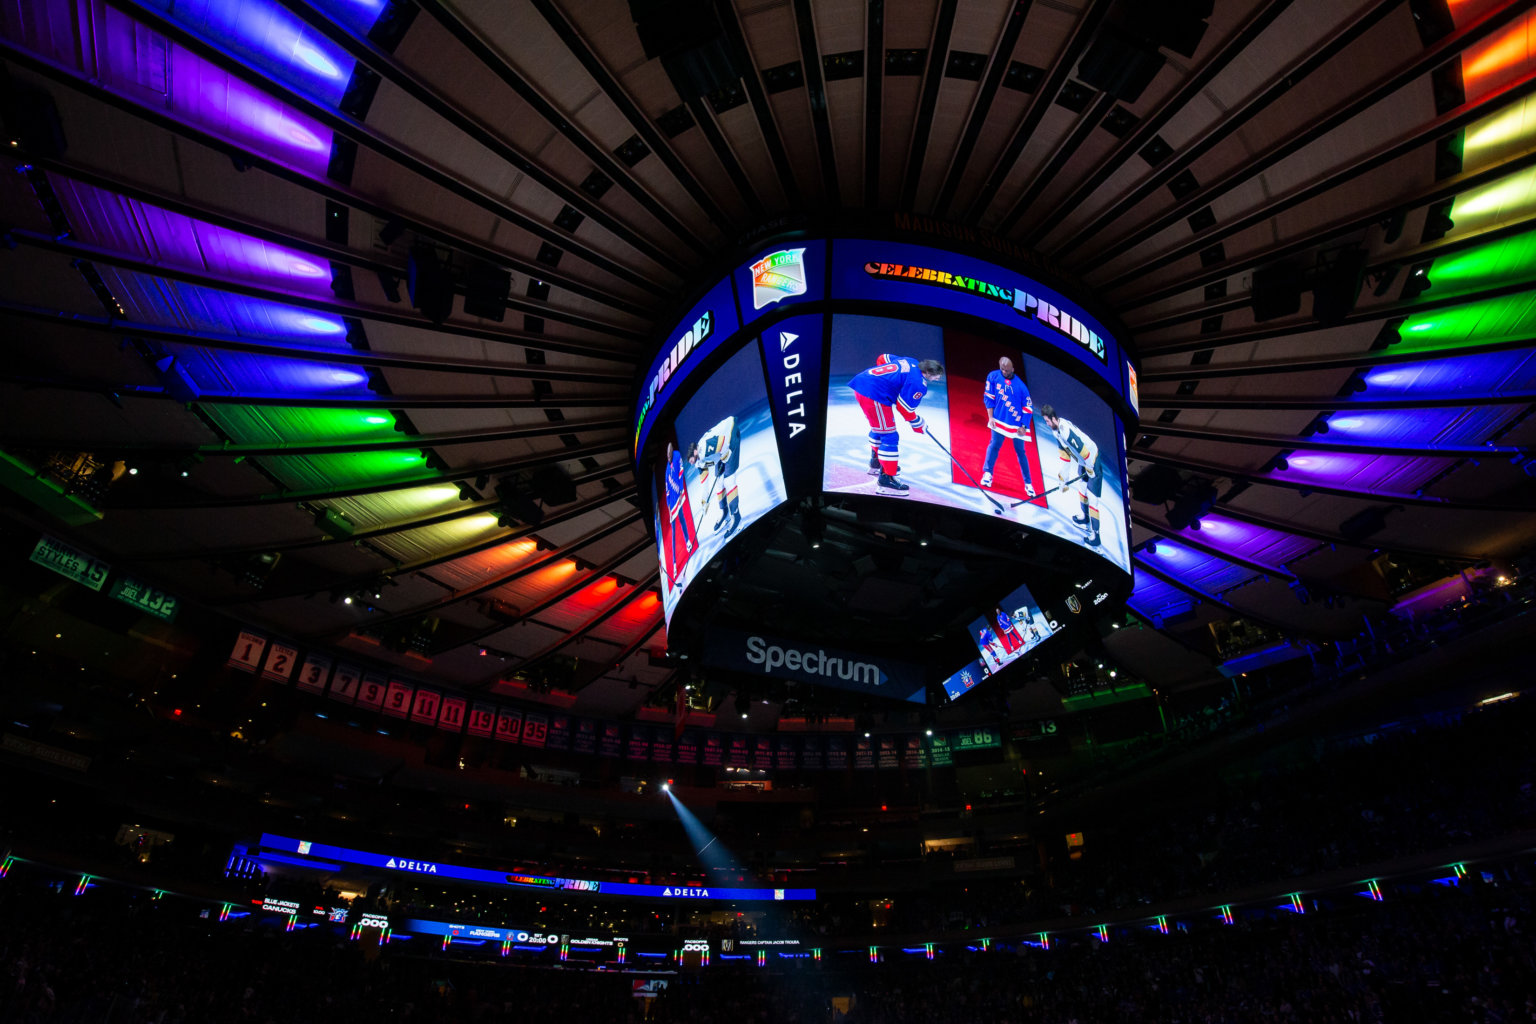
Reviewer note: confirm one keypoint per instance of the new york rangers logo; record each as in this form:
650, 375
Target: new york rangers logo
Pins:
779, 275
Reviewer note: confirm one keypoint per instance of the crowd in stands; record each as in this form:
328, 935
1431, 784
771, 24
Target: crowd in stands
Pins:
1428, 953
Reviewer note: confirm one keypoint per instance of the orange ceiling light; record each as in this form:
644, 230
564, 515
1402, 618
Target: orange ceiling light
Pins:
1500, 60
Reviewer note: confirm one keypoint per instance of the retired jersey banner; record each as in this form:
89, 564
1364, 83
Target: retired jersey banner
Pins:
313, 673
344, 683
425, 705
281, 660
249, 647
535, 730
371, 693
450, 717
397, 699
482, 719
509, 725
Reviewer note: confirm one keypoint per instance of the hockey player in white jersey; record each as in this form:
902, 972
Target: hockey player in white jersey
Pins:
1077, 447
718, 449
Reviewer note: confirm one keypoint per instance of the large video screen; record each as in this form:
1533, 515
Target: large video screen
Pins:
933, 414
1013, 627
718, 473
965, 680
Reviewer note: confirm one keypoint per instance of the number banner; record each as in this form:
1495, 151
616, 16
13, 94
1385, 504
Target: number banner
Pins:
397, 699
249, 647
451, 717
344, 683
424, 706
509, 725
145, 598
71, 563
535, 729
371, 693
482, 719
313, 672
280, 662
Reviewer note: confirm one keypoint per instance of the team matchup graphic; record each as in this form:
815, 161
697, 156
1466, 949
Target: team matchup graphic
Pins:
924, 413
721, 472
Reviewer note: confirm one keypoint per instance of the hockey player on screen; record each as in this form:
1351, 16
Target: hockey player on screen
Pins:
986, 640
894, 385
719, 449
1008, 416
1008, 632
680, 529
1078, 447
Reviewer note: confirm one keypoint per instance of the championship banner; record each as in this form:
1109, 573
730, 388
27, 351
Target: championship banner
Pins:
863, 754
639, 748
559, 732
887, 753
585, 740
762, 753
687, 748
786, 749
837, 753
714, 750
756, 654
662, 744
738, 755
912, 752
610, 740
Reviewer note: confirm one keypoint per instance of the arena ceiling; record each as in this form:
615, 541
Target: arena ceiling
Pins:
206, 282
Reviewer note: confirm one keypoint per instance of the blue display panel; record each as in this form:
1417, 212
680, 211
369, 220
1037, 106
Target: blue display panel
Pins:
965, 680
974, 438
719, 472
1015, 626
439, 869
933, 278
700, 332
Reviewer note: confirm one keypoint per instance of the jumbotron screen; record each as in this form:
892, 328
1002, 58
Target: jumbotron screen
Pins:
933, 414
720, 472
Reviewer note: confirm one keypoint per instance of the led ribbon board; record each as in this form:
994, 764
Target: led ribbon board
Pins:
439, 869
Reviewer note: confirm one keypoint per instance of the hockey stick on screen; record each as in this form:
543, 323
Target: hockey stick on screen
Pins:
1053, 490
996, 505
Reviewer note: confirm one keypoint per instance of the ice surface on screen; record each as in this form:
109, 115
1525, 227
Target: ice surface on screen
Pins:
982, 435
1011, 629
718, 474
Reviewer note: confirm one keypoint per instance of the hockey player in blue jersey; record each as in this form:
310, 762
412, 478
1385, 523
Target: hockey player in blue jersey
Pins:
895, 385
1009, 417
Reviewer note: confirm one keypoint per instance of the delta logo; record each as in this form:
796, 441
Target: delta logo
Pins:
686, 893
419, 866
777, 276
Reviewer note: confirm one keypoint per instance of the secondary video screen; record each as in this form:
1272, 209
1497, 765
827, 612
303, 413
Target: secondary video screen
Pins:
1013, 627
937, 415
965, 680
719, 472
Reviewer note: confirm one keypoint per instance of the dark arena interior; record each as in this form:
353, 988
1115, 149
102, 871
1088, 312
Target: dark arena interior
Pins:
804, 511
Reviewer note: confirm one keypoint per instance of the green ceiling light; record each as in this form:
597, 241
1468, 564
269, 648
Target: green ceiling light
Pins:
248, 424
1468, 326
1505, 261
305, 472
